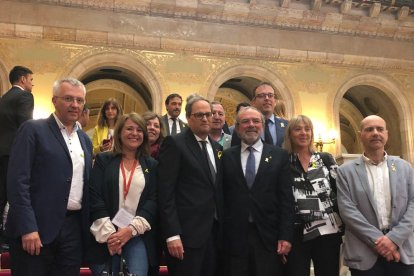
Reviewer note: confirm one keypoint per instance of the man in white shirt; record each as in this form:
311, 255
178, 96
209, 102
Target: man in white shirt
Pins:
48, 221
376, 202
172, 124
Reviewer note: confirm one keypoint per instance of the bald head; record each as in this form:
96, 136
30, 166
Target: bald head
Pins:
369, 119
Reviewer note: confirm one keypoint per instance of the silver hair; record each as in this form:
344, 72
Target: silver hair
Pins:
72, 81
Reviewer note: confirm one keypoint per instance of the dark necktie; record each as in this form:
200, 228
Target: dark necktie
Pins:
250, 168
268, 136
174, 126
208, 161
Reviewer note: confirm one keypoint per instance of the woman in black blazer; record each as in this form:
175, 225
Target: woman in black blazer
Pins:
123, 201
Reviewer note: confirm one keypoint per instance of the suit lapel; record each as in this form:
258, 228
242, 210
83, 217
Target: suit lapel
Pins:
236, 156
394, 180
145, 171
166, 125
362, 173
264, 164
195, 149
57, 133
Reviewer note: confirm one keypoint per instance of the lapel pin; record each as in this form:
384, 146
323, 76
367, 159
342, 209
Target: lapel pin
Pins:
393, 167
282, 124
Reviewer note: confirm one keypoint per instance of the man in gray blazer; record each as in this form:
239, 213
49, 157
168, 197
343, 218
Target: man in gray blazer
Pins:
376, 202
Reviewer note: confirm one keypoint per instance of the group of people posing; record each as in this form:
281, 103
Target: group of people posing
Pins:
260, 202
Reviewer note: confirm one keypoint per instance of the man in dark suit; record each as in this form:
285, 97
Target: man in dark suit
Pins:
16, 106
172, 124
274, 128
258, 201
48, 220
190, 195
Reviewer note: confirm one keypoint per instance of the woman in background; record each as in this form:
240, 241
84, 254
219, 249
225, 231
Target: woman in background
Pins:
155, 131
123, 200
102, 139
318, 227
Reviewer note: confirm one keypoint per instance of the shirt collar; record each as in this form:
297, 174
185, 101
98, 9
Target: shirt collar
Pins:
370, 162
258, 146
272, 119
15, 85
62, 126
199, 139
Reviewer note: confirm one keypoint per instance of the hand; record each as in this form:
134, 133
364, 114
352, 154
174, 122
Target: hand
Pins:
283, 247
118, 239
31, 243
106, 146
385, 247
176, 249
396, 256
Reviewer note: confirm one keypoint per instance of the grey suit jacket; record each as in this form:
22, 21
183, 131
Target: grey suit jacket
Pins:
358, 211
226, 141
166, 126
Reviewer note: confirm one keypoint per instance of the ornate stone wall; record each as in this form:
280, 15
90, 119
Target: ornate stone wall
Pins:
312, 52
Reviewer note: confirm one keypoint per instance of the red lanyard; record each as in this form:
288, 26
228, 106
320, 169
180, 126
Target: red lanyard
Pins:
128, 185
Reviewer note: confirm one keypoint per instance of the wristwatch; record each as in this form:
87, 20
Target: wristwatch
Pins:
134, 231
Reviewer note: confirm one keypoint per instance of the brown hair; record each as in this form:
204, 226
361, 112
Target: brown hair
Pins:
142, 150
149, 115
102, 120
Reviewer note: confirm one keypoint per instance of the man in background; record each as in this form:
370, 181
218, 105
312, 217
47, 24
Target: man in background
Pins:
216, 126
172, 124
16, 107
274, 129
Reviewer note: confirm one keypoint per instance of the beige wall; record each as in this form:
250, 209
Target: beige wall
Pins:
312, 71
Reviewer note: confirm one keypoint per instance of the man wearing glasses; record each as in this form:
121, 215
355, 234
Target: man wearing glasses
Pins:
47, 187
190, 196
274, 129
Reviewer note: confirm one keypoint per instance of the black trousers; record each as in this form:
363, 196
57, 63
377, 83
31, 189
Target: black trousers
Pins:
61, 257
197, 261
324, 252
257, 261
4, 161
384, 268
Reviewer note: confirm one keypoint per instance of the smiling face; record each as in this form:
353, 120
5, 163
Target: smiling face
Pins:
249, 125
68, 112
218, 117
301, 136
131, 136
153, 129
373, 134
264, 99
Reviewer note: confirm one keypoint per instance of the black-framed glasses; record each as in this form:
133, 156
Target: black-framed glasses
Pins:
264, 95
200, 115
69, 99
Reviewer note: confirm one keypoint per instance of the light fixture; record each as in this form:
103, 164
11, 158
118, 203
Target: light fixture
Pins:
319, 142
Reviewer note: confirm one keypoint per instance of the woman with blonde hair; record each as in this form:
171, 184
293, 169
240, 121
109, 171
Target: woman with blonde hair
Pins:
102, 139
318, 227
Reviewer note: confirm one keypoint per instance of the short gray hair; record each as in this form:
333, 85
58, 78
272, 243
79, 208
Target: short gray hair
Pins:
242, 110
72, 81
192, 100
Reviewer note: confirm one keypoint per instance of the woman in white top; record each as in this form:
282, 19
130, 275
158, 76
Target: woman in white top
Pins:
123, 200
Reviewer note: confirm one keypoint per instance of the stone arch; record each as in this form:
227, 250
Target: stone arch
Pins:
122, 60
255, 71
391, 89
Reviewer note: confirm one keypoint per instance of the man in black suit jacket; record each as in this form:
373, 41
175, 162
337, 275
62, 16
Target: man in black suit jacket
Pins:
173, 105
190, 196
258, 201
274, 130
16, 107
47, 185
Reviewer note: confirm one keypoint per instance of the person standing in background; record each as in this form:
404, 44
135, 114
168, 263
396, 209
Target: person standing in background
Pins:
102, 139
16, 107
172, 124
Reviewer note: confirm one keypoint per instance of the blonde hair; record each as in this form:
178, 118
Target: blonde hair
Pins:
142, 150
280, 109
294, 122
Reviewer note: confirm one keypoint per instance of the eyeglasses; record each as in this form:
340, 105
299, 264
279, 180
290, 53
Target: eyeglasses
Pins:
200, 115
69, 99
264, 95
